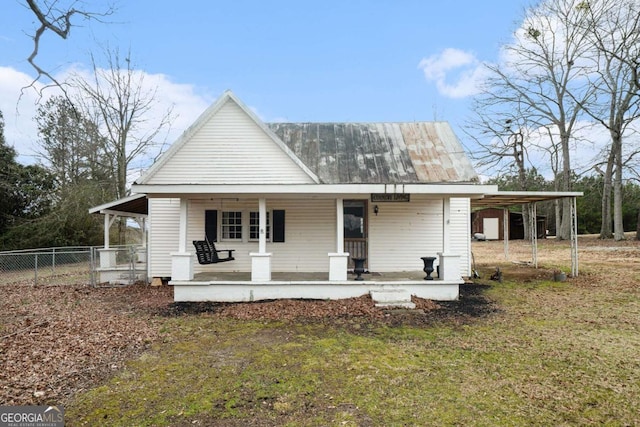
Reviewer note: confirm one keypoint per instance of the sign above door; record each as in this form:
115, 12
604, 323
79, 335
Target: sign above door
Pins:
390, 197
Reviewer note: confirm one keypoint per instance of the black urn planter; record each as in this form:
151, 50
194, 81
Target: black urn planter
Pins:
358, 267
428, 266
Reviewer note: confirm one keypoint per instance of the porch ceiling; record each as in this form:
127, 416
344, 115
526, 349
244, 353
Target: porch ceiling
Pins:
136, 205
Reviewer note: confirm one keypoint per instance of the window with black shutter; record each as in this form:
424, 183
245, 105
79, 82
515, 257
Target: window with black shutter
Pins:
278, 226
211, 225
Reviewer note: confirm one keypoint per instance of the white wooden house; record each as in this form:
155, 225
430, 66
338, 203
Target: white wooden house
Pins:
296, 202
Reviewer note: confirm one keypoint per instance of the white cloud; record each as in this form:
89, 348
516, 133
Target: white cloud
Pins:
186, 101
18, 105
456, 73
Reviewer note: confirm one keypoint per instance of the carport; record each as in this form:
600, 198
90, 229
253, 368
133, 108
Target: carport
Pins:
505, 199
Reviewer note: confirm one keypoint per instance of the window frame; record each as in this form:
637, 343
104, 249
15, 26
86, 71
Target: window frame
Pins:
228, 229
254, 228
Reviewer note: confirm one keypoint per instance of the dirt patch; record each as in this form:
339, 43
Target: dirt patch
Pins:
56, 340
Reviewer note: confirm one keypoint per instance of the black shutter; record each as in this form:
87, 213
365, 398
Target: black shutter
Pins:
211, 225
278, 226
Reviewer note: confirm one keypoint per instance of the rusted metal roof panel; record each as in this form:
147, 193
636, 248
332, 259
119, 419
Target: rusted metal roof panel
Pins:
395, 153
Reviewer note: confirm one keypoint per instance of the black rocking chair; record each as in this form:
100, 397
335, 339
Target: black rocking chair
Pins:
207, 253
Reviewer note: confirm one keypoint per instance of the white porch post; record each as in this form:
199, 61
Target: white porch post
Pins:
107, 254
339, 260
261, 260
449, 262
107, 226
182, 261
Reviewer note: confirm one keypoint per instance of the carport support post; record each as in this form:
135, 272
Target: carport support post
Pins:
182, 261
574, 238
339, 260
261, 260
533, 229
505, 232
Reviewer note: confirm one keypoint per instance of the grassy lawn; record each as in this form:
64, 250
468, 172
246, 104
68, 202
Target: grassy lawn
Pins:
550, 354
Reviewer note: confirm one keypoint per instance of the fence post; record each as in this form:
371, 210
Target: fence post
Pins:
53, 260
35, 269
92, 266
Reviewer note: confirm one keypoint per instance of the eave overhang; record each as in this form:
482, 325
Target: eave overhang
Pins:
250, 190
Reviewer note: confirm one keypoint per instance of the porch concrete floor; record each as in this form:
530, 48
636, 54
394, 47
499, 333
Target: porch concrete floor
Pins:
399, 276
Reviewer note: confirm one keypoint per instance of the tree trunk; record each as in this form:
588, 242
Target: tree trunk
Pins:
605, 226
565, 224
618, 225
638, 226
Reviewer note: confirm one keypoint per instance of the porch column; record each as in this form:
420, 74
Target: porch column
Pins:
339, 260
107, 254
261, 260
449, 262
182, 261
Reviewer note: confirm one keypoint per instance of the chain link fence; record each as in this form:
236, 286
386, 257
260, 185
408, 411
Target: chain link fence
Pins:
72, 265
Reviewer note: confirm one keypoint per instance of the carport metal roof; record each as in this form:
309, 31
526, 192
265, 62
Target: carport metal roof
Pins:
504, 199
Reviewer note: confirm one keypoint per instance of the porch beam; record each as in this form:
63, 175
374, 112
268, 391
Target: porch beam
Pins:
341, 190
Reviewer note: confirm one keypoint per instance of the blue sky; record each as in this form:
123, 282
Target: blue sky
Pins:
361, 61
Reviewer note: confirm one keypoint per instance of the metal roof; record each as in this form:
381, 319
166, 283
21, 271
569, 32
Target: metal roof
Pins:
503, 199
392, 153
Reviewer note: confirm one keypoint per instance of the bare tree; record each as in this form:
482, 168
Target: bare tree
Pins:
123, 108
499, 136
56, 16
71, 145
543, 73
614, 28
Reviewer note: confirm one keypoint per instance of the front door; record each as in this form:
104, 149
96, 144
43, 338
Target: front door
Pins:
355, 230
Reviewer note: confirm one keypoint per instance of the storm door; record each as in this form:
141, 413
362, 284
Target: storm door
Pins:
355, 230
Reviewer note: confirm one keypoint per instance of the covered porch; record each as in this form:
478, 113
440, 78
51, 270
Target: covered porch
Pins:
395, 227
389, 288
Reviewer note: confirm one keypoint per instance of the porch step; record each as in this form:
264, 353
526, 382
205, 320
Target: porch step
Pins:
392, 298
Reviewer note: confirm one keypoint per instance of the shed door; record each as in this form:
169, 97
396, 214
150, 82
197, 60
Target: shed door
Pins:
490, 228
355, 229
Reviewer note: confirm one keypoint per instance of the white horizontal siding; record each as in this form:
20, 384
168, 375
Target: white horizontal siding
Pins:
309, 234
401, 233
230, 149
164, 217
